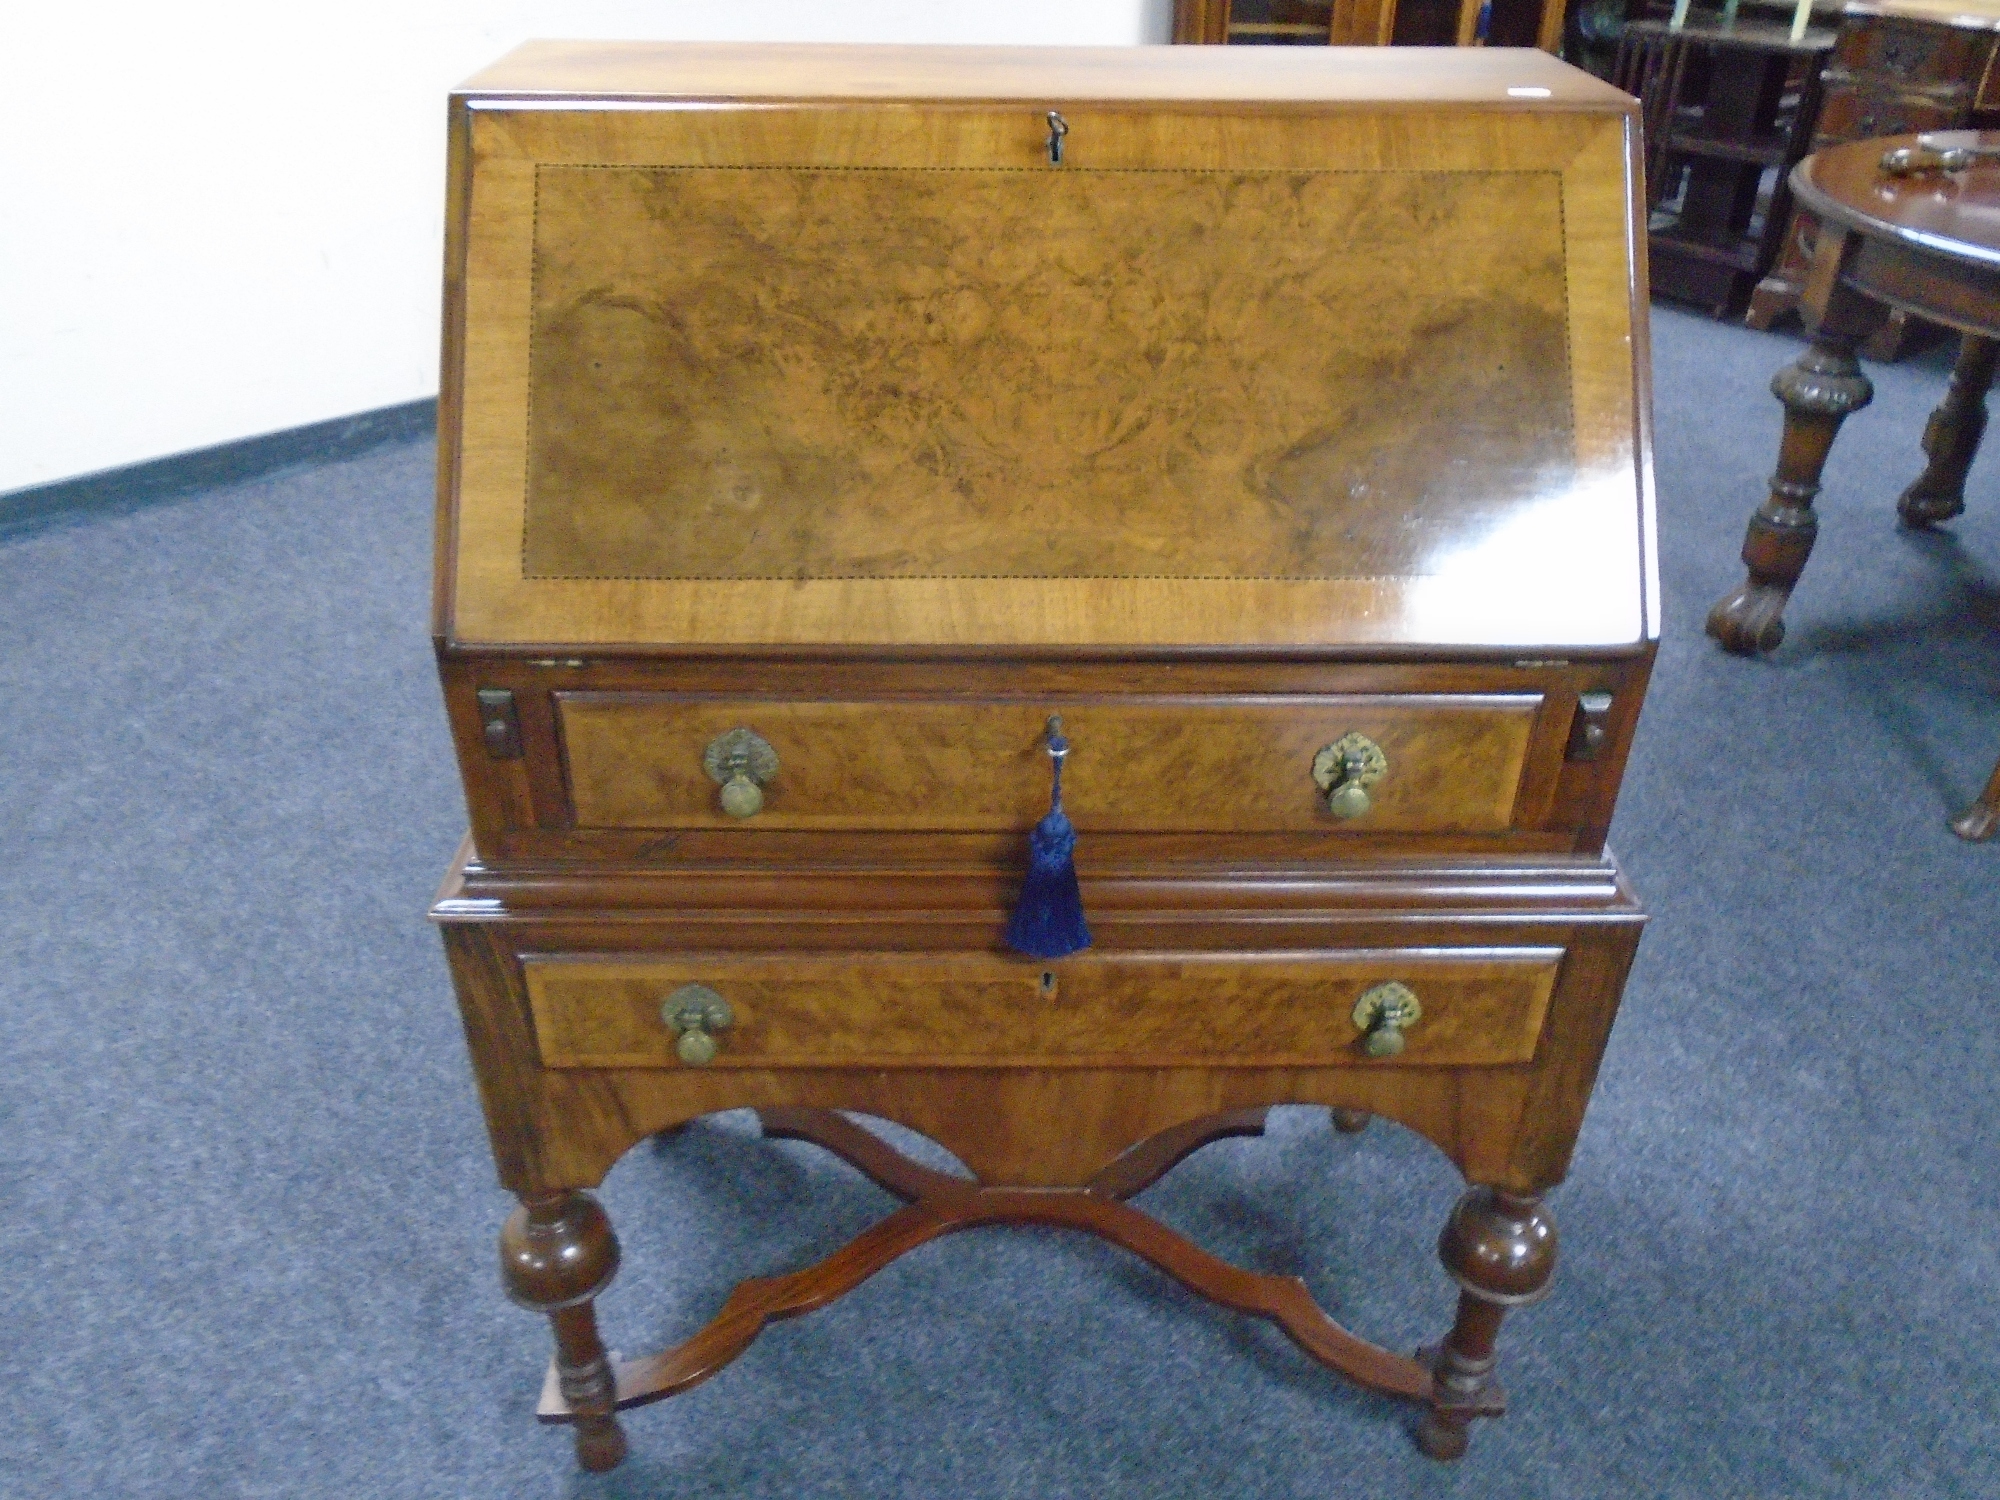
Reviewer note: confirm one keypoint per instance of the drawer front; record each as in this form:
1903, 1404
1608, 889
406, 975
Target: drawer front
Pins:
1154, 765
1852, 114
1481, 1006
1912, 52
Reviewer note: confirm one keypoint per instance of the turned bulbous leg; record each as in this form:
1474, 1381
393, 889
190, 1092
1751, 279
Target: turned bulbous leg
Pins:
1951, 438
1501, 1249
1820, 390
557, 1252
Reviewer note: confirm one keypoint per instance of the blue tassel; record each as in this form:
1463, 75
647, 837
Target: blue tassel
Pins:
1048, 919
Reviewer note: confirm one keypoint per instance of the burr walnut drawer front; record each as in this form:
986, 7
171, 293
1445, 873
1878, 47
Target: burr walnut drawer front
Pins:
1369, 1007
1387, 763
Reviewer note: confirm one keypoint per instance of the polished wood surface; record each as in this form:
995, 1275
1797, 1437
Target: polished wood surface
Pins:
1310, 545
800, 390
1480, 1007
1927, 244
647, 70
1954, 216
1163, 765
847, 373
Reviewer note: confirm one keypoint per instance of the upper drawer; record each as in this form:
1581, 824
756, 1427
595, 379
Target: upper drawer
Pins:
1454, 1007
1450, 763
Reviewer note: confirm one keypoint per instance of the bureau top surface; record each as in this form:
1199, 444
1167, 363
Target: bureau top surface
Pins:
1068, 349
807, 70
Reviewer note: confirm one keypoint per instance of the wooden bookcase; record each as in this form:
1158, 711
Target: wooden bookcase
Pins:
1729, 109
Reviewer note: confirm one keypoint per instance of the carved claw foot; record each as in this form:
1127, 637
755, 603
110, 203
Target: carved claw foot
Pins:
1501, 1250
1918, 508
557, 1252
1820, 390
1748, 622
1951, 438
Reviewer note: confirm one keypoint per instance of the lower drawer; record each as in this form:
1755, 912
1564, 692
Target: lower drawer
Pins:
1471, 1007
1854, 114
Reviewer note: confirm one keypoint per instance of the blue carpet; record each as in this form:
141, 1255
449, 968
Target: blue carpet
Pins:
248, 1215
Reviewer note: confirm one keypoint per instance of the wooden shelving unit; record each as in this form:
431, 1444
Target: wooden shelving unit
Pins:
1729, 108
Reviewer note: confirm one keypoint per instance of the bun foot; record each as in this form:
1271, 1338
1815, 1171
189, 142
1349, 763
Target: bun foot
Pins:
600, 1444
1350, 1121
1441, 1437
1748, 622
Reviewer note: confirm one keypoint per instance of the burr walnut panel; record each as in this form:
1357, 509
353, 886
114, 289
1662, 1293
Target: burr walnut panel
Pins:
797, 373
1135, 764
1479, 1007
782, 372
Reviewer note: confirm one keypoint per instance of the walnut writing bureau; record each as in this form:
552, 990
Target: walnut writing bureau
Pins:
825, 431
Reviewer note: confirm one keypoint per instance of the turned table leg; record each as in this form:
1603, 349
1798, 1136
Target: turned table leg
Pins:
557, 1252
1951, 437
1820, 390
1500, 1248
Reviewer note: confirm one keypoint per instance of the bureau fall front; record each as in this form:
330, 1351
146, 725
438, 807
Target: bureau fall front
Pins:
838, 443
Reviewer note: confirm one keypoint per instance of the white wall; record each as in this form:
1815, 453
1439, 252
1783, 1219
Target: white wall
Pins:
222, 218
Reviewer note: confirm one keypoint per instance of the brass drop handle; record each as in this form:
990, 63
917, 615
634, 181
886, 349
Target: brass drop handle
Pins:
1345, 770
1383, 1013
695, 1013
740, 762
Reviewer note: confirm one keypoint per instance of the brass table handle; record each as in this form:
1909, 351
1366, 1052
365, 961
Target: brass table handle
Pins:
1345, 770
740, 762
1383, 1013
1931, 155
695, 1012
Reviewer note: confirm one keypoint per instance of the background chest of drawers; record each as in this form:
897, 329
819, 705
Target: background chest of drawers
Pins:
823, 429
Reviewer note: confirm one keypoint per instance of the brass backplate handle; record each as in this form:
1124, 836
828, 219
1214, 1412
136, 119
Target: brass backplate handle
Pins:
694, 1012
1345, 770
1383, 1013
740, 762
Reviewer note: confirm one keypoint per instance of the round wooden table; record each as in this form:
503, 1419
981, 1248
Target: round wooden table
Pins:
1926, 243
